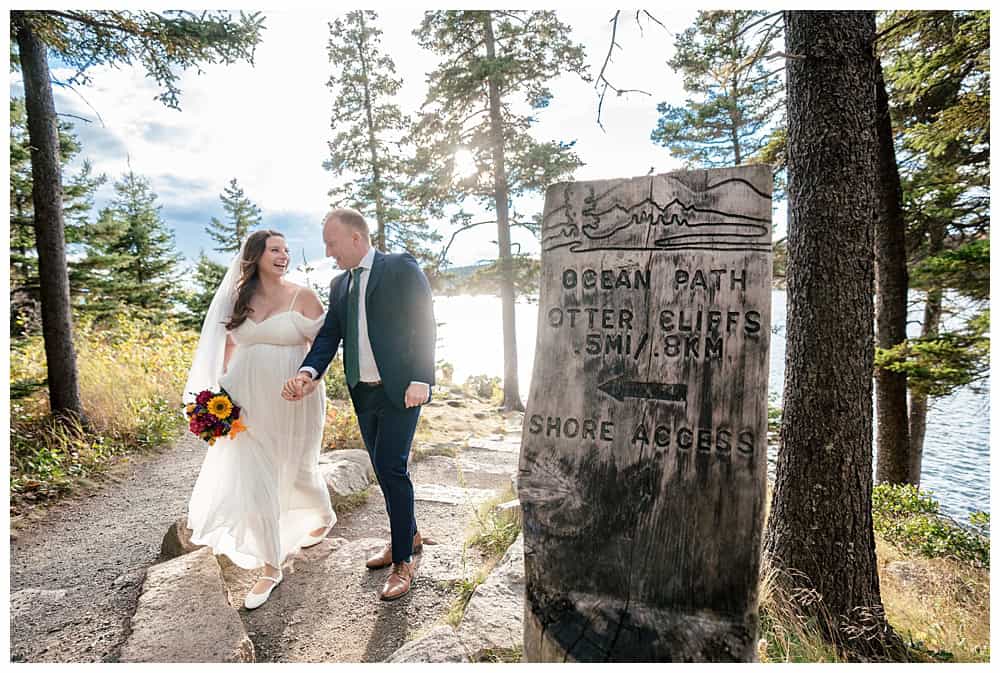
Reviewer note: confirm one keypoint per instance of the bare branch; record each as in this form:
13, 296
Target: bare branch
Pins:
646, 12
73, 89
757, 23
785, 54
444, 251
602, 81
71, 116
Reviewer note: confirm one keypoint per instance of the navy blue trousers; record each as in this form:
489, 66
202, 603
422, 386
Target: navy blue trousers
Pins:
388, 431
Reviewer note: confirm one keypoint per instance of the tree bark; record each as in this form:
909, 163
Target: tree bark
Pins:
891, 284
511, 394
57, 322
918, 401
819, 543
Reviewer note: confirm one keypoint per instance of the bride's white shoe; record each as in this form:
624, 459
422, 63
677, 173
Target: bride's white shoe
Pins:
312, 540
256, 600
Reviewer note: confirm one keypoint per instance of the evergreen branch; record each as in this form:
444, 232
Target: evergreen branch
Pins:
765, 76
899, 24
509, 15
94, 23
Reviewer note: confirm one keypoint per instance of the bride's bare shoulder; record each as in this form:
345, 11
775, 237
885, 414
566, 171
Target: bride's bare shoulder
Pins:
307, 303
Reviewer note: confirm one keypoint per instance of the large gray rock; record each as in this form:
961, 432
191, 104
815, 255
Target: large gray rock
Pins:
177, 541
450, 495
441, 645
184, 616
359, 456
493, 620
441, 563
344, 478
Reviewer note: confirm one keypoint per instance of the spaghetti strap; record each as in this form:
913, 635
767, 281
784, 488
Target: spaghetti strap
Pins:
294, 296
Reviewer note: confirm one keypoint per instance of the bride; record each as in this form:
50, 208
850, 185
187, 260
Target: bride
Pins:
260, 496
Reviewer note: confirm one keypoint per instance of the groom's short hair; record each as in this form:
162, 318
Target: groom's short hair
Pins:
350, 217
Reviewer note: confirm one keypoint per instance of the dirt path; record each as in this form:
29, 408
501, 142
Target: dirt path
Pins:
76, 575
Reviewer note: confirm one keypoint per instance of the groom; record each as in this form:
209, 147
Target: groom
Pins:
383, 312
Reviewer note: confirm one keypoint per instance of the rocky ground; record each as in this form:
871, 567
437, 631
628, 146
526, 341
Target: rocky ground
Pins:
91, 577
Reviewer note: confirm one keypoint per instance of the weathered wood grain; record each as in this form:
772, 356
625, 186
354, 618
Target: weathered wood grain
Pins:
643, 460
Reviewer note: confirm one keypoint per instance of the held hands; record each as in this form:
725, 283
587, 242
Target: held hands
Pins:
298, 387
416, 394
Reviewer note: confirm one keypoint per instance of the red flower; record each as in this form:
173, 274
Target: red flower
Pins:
204, 396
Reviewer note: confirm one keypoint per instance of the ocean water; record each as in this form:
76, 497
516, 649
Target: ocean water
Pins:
956, 464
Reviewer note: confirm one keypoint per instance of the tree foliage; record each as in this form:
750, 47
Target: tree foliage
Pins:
143, 262
243, 217
372, 149
937, 73
734, 100
159, 41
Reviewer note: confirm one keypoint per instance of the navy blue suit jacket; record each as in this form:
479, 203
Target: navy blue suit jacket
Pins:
401, 326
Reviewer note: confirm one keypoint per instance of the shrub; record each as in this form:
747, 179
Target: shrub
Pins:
485, 387
131, 373
341, 430
910, 519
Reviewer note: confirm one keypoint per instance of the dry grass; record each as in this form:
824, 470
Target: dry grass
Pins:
938, 605
130, 375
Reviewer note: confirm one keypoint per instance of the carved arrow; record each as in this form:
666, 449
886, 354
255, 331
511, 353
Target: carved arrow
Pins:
619, 389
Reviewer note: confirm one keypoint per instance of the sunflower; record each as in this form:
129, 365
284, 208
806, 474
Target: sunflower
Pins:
220, 407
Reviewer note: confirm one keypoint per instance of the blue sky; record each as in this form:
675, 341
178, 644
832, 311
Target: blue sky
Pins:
268, 125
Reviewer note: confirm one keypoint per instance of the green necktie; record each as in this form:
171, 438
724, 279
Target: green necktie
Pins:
352, 361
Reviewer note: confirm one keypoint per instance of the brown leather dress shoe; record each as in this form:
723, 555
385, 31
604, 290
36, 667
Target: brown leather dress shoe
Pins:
399, 581
384, 558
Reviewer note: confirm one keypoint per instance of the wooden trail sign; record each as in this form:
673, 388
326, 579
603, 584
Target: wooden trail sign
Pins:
643, 456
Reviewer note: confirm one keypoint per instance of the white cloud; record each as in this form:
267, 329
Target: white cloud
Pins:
268, 125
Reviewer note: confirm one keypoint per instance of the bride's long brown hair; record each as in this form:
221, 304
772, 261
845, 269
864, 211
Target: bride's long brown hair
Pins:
249, 280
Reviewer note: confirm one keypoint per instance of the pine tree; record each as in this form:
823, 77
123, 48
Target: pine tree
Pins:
243, 217
372, 146
492, 63
207, 276
78, 201
819, 542
937, 76
144, 276
83, 39
733, 100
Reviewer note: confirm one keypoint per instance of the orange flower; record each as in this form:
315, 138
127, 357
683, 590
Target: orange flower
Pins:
236, 428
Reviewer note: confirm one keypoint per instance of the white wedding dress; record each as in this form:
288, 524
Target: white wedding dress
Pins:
260, 494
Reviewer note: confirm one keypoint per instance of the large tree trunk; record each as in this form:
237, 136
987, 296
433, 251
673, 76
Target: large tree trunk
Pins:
57, 324
511, 394
891, 284
819, 535
380, 237
918, 401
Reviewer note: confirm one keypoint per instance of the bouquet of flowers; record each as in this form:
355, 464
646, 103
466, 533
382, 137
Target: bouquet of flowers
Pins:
213, 415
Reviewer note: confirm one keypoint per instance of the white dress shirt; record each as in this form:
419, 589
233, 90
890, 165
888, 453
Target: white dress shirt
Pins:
368, 370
